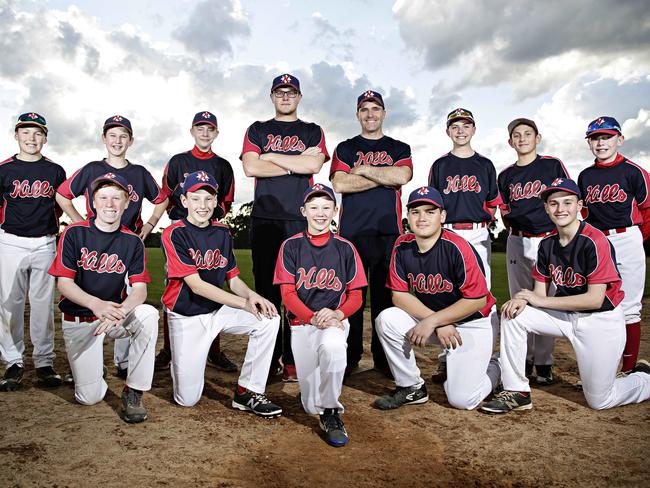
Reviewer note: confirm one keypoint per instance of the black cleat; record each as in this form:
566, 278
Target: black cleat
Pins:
12, 378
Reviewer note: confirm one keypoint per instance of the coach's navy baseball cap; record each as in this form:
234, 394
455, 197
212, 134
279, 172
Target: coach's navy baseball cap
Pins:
370, 96
109, 178
318, 189
32, 119
206, 117
117, 121
460, 114
423, 195
285, 80
522, 121
604, 125
560, 184
199, 179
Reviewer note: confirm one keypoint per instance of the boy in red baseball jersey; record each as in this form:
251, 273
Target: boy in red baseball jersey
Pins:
321, 277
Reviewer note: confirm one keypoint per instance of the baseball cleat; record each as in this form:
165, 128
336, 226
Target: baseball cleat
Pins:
440, 376
403, 395
642, 366
12, 378
331, 423
289, 374
134, 411
544, 375
257, 403
163, 358
221, 362
507, 401
47, 377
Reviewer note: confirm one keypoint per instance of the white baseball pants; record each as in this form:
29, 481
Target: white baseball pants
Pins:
480, 239
597, 339
86, 355
630, 261
321, 358
190, 339
521, 256
24, 262
471, 372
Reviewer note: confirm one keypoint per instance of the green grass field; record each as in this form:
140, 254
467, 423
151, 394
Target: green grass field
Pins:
155, 266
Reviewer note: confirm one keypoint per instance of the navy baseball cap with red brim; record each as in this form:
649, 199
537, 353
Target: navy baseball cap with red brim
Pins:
425, 195
561, 184
199, 179
111, 178
318, 189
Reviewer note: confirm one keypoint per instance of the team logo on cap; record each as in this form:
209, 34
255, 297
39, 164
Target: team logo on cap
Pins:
285, 79
557, 181
369, 94
317, 187
423, 191
33, 116
203, 176
109, 175
117, 118
600, 121
206, 115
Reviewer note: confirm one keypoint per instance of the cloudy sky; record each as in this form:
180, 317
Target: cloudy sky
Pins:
159, 62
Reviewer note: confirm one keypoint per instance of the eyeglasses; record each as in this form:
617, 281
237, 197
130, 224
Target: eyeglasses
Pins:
281, 94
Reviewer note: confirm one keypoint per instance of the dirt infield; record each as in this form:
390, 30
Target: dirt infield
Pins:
49, 440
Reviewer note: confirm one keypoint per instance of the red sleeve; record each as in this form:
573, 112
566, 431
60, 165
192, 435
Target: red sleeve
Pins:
337, 164
353, 301
249, 145
284, 272
645, 225
405, 162
605, 269
294, 304
358, 280
178, 258
230, 196
396, 277
65, 253
474, 285
65, 188
495, 202
138, 268
166, 190
322, 147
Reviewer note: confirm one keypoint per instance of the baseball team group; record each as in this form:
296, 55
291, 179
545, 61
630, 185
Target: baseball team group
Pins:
575, 264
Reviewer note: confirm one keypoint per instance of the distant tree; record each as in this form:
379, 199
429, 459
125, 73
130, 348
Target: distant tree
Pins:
239, 224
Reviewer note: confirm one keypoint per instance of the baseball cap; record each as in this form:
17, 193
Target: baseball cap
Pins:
521, 121
32, 119
560, 184
285, 80
604, 125
460, 114
199, 179
425, 194
109, 178
204, 118
117, 121
318, 189
370, 96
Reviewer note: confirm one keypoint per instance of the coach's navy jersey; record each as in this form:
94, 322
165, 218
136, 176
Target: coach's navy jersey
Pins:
188, 250
468, 187
377, 211
99, 262
180, 165
27, 190
613, 193
141, 185
520, 187
588, 259
447, 272
280, 197
322, 274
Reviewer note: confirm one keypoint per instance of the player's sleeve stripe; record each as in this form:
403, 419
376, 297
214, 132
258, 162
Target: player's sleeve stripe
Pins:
232, 273
646, 182
282, 274
58, 268
337, 164
65, 187
180, 269
249, 146
322, 146
469, 257
359, 279
603, 249
394, 281
405, 162
8, 160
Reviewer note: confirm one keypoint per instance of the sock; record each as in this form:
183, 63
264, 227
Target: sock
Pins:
241, 390
632, 343
215, 347
166, 341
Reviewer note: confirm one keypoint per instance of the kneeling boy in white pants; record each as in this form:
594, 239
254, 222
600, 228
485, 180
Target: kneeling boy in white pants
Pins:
451, 303
580, 262
321, 276
93, 259
200, 259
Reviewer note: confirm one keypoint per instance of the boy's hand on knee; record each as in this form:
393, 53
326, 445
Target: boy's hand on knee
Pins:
325, 315
449, 336
420, 334
513, 307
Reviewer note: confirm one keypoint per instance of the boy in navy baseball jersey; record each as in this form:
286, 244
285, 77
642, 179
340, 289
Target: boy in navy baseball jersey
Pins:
282, 154
369, 170
321, 277
201, 158
28, 226
467, 182
585, 309
200, 260
117, 135
94, 259
450, 304
617, 201
523, 215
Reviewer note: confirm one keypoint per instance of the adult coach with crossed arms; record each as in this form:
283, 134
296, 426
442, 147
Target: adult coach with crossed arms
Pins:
369, 170
282, 154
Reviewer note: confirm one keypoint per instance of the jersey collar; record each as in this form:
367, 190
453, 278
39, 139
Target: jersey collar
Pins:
618, 159
197, 153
